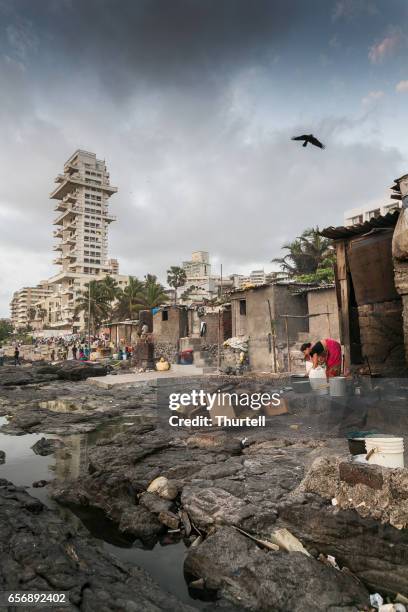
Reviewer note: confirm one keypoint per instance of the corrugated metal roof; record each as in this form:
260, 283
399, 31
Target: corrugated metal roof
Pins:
316, 288
382, 222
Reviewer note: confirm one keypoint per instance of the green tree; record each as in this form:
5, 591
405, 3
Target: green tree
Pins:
153, 293
96, 300
6, 330
113, 292
176, 277
32, 311
130, 300
309, 258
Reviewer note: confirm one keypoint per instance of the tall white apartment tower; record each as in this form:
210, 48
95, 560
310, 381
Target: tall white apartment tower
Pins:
82, 195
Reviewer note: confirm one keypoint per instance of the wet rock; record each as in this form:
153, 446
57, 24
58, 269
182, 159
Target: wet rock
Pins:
154, 503
38, 552
46, 446
212, 506
38, 484
255, 579
163, 488
374, 552
2, 457
140, 523
171, 520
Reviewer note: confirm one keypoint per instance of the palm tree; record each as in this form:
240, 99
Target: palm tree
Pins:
113, 292
176, 277
31, 313
153, 294
95, 300
307, 254
130, 300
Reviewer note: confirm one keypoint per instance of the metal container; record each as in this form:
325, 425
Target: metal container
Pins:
338, 386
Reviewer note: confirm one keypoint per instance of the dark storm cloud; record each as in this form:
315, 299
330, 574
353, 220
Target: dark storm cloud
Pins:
171, 41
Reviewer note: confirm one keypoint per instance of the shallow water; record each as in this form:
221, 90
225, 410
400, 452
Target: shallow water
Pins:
164, 562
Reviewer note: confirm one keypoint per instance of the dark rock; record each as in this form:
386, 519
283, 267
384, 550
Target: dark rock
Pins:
140, 523
374, 552
74, 370
361, 473
171, 520
38, 484
154, 503
207, 507
38, 552
256, 579
45, 446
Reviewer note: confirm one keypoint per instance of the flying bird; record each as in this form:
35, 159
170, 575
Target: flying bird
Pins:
311, 139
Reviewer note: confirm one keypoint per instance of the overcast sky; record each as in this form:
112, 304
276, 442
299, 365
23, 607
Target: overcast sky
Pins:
192, 103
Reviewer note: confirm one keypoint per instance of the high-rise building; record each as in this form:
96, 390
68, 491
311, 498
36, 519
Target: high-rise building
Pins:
81, 231
82, 195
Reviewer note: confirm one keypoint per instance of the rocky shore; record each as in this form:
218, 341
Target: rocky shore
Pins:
269, 521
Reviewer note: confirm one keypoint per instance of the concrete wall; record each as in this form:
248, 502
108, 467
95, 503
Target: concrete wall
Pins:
167, 333
323, 326
256, 323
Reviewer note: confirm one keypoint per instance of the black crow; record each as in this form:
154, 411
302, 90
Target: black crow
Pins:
309, 138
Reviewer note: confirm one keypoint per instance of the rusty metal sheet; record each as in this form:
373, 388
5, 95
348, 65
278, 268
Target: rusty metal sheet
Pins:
371, 267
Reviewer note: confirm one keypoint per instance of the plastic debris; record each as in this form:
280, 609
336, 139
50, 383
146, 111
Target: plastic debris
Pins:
334, 501
376, 600
286, 540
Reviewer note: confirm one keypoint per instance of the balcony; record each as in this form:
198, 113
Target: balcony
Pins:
57, 233
71, 197
57, 247
57, 261
67, 183
73, 210
60, 206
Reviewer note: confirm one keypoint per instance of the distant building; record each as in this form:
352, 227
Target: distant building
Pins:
24, 303
355, 216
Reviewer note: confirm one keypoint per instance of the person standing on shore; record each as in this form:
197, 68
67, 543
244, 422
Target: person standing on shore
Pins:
74, 351
1, 355
17, 356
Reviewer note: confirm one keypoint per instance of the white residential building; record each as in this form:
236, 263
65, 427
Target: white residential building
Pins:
355, 216
81, 232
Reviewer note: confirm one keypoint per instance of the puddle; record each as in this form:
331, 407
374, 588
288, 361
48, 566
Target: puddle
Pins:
164, 562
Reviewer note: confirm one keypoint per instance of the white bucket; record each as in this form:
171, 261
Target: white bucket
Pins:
387, 451
318, 381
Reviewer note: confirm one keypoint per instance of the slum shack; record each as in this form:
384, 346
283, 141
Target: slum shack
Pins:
271, 316
170, 323
370, 308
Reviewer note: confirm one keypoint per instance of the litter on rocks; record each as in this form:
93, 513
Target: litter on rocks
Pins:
376, 600
286, 540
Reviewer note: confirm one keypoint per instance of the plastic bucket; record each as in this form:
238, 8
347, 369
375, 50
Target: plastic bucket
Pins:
318, 381
338, 386
387, 451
